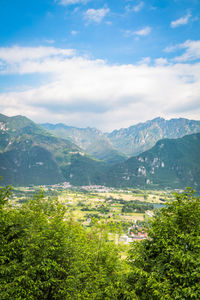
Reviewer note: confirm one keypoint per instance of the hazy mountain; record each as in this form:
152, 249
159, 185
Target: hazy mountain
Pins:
114, 147
143, 136
31, 155
173, 163
92, 140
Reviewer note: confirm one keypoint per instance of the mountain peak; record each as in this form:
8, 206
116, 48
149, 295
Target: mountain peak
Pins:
157, 119
141, 137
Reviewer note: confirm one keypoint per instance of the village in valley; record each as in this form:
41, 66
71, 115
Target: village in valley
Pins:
125, 212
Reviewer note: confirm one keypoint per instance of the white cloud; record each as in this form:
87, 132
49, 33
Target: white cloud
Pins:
144, 31
18, 54
96, 15
25, 60
71, 2
128, 33
192, 51
191, 48
109, 23
181, 21
145, 61
84, 92
74, 32
173, 48
50, 41
135, 8
138, 7
161, 61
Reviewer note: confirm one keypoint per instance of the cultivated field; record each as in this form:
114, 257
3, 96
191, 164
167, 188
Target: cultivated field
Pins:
124, 208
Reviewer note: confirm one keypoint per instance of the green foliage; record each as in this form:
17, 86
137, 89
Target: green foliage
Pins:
5, 193
167, 264
136, 206
83, 170
44, 256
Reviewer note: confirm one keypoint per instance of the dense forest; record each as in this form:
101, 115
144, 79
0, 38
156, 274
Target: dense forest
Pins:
46, 256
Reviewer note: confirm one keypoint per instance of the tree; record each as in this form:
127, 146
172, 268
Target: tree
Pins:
167, 264
44, 256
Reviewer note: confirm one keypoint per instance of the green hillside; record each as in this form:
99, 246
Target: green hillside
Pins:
120, 144
31, 155
91, 140
173, 163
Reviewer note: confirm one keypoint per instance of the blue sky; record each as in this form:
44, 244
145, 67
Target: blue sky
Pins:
107, 64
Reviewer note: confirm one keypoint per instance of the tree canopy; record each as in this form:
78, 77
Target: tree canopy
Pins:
167, 264
45, 256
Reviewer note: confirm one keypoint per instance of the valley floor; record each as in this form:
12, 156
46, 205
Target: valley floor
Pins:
127, 211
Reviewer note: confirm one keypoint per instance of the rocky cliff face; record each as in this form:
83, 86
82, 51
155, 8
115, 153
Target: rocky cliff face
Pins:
141, 137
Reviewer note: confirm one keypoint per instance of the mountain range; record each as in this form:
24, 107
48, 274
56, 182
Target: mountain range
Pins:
31, 155
120, 144
138, 138
91, 140
166, 154
171, 163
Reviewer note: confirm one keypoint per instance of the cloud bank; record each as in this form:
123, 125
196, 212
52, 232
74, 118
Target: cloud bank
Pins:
84, 92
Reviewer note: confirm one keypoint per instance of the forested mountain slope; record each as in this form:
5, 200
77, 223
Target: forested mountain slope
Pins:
31, 155
173, 163
116, 146
92, 140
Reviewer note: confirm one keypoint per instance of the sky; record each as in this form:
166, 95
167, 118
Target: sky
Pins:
104, 64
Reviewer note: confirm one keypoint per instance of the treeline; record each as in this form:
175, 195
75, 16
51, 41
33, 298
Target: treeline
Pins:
127, 206
45, 256
136, 206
